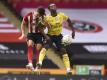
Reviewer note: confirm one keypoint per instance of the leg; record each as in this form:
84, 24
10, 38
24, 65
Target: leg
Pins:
63, 53
42, 54
38, 48
39, 42
30, 54
43, 51
30, 50
66, 61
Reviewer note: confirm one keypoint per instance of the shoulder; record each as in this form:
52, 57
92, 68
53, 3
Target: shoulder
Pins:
61, 14
48, 16
65, 17
29, 14
25, 18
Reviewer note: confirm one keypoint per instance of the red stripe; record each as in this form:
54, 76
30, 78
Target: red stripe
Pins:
10, 37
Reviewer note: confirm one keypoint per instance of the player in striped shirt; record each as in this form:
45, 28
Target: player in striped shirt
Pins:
34, 21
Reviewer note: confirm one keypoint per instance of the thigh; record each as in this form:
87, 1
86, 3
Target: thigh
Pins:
58, 42
38, 46
30, 42
48, 43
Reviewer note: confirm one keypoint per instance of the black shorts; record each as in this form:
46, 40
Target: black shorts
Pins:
57, 40
35, 37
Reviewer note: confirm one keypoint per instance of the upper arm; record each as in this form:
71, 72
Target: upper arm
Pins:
23, 22
68, 20
25, 18
65, 18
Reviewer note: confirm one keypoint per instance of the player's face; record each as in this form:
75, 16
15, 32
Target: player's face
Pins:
52, 8
39, 15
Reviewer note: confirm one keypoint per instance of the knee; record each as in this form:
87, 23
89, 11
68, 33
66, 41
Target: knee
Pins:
38, 47
63, 51
49, 42
48, 45
30, 43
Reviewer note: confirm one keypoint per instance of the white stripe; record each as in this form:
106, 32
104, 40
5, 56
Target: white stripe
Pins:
29, 23
33, 27
3, 19
9, 30
6, 25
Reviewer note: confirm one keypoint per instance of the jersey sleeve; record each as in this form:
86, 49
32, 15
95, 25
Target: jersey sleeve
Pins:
64, 16
25, 19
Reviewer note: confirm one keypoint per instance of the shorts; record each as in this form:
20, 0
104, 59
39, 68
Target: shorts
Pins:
35, 37
57, 40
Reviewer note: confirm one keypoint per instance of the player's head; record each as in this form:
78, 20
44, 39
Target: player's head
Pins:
41, 11
52, 8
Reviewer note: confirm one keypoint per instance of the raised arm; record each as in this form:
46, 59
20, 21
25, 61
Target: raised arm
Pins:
72, 28
23, 24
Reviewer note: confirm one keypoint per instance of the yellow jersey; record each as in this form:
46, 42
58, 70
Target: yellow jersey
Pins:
56, 23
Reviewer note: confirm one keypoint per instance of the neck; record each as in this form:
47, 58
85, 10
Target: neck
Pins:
54, 14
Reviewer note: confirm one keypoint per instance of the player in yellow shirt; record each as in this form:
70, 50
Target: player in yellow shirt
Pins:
56, 20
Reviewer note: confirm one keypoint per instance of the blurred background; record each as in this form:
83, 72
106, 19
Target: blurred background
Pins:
89, 18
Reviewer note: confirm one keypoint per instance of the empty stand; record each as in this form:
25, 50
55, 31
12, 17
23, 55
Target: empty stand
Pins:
8, 31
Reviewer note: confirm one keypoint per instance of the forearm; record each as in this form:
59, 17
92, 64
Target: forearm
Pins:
22, 32
23, 28
70, 25
72, 28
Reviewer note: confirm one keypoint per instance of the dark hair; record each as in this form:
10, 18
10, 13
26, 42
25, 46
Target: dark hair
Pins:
41, 10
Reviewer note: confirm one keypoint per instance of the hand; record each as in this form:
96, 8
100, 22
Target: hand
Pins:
73, 34
22, 37
47, 38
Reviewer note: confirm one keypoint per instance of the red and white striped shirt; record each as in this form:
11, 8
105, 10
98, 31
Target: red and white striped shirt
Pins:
30, 19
